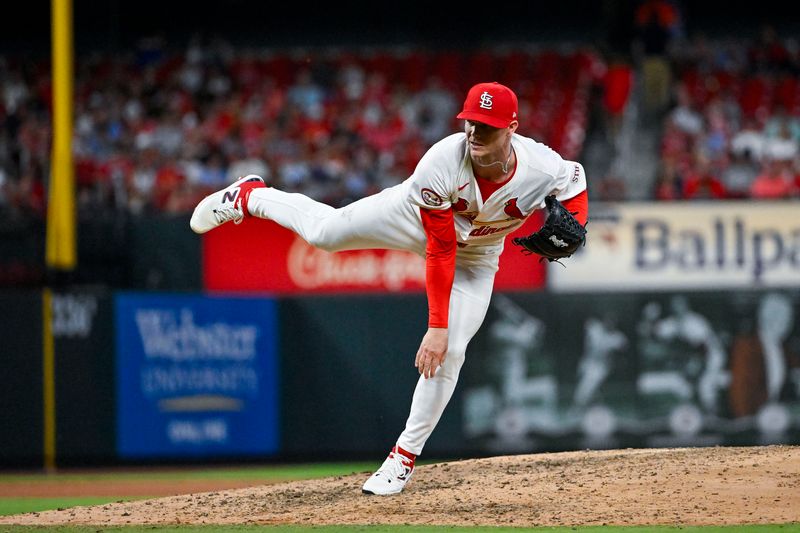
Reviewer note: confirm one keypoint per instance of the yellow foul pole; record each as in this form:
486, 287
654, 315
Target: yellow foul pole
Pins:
60, 244
48, 382
60, 247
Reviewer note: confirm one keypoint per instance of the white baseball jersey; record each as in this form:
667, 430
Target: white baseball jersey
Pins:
444, 179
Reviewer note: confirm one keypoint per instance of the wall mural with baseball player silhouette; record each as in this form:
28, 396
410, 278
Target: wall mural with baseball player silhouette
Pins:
644, 369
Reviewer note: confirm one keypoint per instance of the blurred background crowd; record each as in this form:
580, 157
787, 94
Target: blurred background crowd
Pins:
668, 116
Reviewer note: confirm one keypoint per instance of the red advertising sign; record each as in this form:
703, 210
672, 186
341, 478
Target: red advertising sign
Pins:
261, 256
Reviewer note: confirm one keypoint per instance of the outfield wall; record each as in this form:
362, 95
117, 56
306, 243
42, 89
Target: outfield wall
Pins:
21, 395
677, 326
183, 377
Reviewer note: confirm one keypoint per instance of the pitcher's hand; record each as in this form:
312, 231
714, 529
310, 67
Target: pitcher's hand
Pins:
432, 351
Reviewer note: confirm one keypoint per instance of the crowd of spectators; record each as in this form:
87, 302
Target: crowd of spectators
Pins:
733, 129
157, 130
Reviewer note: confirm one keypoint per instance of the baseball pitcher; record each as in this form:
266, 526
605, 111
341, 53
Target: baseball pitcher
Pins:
467, 193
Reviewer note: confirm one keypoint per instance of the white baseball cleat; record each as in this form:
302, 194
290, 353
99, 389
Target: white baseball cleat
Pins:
391, 477
223, 206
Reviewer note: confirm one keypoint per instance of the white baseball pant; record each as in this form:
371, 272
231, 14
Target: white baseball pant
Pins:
387, 221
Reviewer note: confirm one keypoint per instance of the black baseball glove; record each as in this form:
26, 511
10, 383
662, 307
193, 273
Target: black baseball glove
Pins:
559, 237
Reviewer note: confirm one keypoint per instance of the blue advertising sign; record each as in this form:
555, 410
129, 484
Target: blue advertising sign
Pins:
196, 376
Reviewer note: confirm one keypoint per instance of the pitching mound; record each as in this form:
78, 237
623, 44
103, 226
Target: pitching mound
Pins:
626, 487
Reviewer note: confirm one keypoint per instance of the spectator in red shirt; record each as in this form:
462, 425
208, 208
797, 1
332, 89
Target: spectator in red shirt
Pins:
703, 184
796, 172
617, 86
386, 131
168, 180
773, 183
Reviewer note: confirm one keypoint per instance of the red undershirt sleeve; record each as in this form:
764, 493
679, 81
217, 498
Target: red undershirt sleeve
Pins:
579, 204
440, 263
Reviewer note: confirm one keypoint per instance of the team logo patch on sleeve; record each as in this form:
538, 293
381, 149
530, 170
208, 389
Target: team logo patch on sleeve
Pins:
431, 198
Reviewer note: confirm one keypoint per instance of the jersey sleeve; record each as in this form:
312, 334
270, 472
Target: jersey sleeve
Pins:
440, 263
569, 181
579, 206
430, 184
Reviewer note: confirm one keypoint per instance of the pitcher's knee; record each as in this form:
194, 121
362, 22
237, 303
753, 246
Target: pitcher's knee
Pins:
453, 361
321, 244
323, 240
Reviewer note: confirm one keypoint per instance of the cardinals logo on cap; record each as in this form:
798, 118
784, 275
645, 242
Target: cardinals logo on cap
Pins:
490, 103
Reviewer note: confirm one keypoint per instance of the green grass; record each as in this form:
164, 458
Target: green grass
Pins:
777, 528
16, 505
268, 473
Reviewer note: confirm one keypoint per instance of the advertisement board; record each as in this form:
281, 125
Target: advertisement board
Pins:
21, 396
259, 255
196, 376
656, 369
83, 337
667, 245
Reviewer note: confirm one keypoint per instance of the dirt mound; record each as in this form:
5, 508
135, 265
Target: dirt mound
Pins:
627, 487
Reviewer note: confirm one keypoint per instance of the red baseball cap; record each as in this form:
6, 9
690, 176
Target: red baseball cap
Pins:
491, 103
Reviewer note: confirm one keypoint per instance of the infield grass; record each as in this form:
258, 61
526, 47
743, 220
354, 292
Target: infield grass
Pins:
16, 504
267, 473
769, 528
